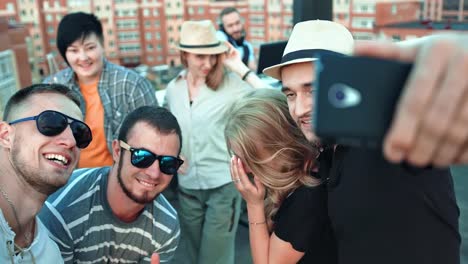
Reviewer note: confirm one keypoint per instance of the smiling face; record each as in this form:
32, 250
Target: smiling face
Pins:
143, 185
233, 25
43, 162
85, 57
298, 87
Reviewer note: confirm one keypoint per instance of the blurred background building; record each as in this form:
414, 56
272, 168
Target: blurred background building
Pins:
144, 32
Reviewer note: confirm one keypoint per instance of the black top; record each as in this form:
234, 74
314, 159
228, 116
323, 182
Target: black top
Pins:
387, 213
302, 221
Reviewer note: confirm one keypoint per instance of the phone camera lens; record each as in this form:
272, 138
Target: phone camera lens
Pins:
339, 95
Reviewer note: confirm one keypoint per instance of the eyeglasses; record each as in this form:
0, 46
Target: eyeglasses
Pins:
51, 123
142, 158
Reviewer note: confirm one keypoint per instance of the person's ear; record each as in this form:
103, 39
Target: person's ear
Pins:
116, 150
6, 134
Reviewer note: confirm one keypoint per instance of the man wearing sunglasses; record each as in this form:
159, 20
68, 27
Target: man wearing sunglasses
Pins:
41, 136
116, 214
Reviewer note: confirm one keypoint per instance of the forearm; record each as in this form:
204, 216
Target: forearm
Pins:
258, 234
251, 78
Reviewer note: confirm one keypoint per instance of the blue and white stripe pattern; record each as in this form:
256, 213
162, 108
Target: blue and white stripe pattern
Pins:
80, 220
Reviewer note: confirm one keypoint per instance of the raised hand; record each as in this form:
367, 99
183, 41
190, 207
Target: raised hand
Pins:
253, 193
431, 120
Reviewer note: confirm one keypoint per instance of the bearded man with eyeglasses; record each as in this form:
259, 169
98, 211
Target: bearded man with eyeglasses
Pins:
41, 137
117, 214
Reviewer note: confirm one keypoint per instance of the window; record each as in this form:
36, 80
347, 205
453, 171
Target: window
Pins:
10, 7
367, 23
146, 12
129, 35
394, 9
126, 24
149, 47
396, 37
201, 10
129, 47
148, 36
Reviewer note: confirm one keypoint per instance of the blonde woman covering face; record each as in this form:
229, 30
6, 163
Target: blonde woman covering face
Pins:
287, 208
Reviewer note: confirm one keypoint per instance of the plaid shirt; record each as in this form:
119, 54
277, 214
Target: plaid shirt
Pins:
121, 91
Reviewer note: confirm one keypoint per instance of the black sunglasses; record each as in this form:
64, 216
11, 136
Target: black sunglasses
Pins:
51, 123
142, 158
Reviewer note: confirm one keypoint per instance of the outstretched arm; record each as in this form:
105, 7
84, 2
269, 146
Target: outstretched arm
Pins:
431, 120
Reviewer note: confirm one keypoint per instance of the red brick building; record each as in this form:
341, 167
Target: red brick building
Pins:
453, 10
141, 31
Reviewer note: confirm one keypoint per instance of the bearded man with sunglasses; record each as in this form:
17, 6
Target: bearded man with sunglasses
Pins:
117, 214
41, 136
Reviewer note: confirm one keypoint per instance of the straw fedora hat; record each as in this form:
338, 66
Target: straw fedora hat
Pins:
200, 37
310, 38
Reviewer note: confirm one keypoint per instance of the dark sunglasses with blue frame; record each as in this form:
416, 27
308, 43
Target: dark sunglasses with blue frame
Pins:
51, 123
143, 158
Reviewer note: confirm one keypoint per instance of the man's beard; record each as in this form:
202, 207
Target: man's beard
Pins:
140, 200
240, 39
32, 176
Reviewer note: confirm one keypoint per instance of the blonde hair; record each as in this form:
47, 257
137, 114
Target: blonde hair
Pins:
216, 75
260, 123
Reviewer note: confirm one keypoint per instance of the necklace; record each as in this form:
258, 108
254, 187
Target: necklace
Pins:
15, 214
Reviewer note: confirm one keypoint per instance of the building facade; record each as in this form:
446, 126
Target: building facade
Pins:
141, 31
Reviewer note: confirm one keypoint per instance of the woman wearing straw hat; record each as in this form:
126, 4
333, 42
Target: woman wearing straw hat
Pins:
199, 97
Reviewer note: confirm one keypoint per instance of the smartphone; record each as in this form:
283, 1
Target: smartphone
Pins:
355, 98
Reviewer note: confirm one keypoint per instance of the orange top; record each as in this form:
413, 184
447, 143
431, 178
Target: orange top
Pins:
97, 153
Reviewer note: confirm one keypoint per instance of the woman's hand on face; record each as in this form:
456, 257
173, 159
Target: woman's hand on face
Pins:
253, 193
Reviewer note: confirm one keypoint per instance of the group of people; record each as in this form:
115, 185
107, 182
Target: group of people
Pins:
225, 135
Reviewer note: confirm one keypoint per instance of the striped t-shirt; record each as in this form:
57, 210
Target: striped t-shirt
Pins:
81, 221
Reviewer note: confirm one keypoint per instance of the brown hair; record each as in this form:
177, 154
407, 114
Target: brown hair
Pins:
268, 140
216, 75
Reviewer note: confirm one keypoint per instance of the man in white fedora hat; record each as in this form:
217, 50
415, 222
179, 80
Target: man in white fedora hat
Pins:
385, 207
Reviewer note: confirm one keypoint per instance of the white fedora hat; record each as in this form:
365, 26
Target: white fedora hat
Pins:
200, 37
311, 38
